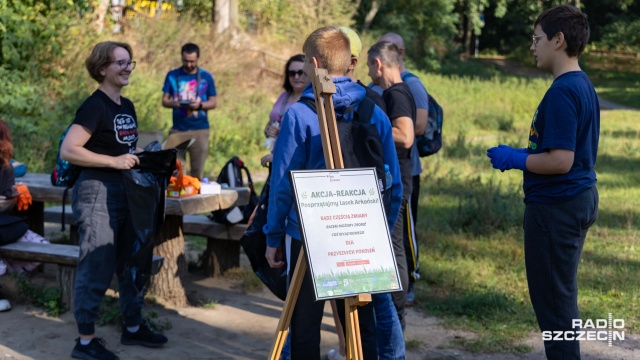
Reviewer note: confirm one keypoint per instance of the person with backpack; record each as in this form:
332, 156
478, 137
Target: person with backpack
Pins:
299, 147
388, 330
384, 71
190, 92
102, 142
421, 98
559, 177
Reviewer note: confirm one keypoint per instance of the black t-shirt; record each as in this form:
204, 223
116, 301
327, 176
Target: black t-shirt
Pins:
114, 127
399, 102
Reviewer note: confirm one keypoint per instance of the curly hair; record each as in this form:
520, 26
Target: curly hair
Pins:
6, 148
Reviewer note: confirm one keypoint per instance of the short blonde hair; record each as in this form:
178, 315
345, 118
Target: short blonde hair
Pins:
101, 56
331, 47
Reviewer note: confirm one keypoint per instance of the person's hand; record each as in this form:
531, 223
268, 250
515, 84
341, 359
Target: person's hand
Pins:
274, 257
271, 131
504, 157
265, 160
125, 162
195, 103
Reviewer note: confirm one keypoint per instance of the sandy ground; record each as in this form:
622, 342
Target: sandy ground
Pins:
239, 326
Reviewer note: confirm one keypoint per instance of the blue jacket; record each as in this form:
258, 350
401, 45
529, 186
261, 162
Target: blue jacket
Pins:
299, 147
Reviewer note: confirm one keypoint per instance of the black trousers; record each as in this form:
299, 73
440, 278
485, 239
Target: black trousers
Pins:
307, 319
554, 235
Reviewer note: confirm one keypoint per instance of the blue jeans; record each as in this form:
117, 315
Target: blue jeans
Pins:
389, 334
105, 231
554, 235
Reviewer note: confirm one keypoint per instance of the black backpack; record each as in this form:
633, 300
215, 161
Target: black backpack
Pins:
361, 145
430, 142
231, 175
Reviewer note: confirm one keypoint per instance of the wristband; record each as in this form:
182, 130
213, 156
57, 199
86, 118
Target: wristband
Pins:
200, 106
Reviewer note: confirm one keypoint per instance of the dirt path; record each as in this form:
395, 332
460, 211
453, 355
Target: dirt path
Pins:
241, 326
513, 68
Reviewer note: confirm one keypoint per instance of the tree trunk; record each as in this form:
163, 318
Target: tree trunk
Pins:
167, 284
213, 12
468, 35
99, 15
220, 256
159, 9
375, 6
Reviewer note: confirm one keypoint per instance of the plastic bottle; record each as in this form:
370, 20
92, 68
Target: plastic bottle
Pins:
271, 141
387, 176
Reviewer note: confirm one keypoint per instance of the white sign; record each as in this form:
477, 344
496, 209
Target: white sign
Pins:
344, 227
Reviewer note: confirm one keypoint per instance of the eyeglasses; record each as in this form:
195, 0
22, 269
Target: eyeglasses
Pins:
536, 38
124, 64
293, 73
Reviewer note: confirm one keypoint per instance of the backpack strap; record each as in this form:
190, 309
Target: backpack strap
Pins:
365, 110
309, 102
408, 75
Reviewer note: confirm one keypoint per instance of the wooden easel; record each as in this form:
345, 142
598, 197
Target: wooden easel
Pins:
323, 88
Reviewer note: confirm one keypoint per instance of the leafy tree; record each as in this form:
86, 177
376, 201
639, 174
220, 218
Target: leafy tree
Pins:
31, 31
425, 25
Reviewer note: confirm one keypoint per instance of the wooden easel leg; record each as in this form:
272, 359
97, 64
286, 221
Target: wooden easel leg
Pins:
339, 329
289, 305
354, 344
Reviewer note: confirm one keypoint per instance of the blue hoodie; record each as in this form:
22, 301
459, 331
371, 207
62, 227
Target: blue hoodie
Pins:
299, 147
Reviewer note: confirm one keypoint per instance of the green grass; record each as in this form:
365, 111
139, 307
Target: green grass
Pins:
470, 216
615, 78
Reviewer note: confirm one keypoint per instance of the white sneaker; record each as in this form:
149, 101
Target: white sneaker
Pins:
334, 354
4, 305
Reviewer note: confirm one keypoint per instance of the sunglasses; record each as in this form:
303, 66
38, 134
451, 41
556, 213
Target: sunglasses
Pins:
293, 73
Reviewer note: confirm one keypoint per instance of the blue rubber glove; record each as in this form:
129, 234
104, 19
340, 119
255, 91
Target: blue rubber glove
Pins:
504, 157
520, 150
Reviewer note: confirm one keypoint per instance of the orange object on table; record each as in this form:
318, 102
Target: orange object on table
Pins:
24, 199
183, 185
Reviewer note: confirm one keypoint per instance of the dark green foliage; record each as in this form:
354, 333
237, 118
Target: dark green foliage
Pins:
110, 315
47, 298
32, 31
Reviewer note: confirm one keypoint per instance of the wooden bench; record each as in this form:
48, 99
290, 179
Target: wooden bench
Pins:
223, 246
65, 256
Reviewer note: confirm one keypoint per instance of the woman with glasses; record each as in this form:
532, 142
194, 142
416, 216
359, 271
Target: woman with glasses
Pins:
295, 80
102, 142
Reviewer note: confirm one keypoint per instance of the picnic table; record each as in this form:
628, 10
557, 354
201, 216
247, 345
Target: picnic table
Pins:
167, 284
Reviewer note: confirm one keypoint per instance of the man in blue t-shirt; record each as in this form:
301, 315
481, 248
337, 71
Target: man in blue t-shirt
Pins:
190, 91
559, 177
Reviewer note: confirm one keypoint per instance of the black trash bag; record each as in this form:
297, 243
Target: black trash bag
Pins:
254, 243
146, 186
143, 197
